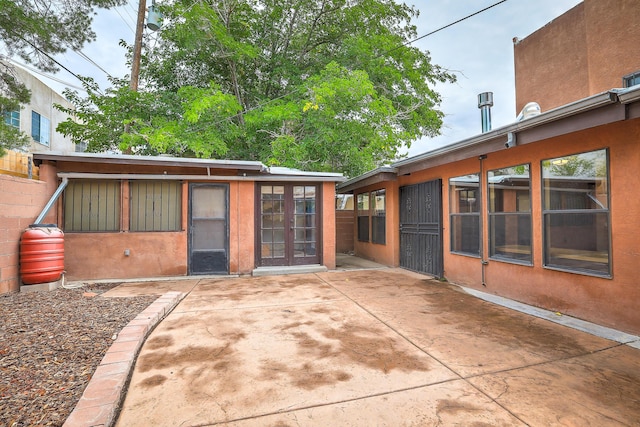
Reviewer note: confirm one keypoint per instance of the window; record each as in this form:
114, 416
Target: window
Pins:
92, 206
576, 213
155, 206
378, 217
40, 127
631, 79
464, 193
509, 192
272, 210
363, 217
12, 118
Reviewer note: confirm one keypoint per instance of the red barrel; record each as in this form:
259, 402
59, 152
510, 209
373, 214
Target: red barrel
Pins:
41, 254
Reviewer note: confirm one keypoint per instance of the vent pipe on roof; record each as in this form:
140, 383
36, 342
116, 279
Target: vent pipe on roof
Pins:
485, 102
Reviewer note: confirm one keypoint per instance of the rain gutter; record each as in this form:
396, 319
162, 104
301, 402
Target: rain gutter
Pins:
591, 103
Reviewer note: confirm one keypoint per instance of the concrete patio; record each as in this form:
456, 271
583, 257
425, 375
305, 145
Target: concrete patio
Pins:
365, 347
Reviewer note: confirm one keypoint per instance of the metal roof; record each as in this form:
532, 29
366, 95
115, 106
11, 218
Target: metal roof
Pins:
129, 159
255, 169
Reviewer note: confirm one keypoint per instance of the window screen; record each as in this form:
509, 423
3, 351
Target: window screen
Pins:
576, 213
155, 205
509, 191
92, 206
378, 217
464, 206
363, 217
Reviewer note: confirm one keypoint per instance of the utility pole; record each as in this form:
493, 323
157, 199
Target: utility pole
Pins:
137, 47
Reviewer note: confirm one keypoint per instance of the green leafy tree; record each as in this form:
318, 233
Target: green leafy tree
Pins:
35, 31
328, 85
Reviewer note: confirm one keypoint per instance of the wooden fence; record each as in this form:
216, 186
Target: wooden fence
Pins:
18, 164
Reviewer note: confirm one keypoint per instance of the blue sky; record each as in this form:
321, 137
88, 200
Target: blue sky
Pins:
479, 50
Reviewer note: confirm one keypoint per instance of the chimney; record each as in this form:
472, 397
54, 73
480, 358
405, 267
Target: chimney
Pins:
485, 102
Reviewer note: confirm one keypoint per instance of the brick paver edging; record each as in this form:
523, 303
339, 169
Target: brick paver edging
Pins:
101, 400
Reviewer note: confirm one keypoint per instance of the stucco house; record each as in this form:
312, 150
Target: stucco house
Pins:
543, 210
39, 118
130, 216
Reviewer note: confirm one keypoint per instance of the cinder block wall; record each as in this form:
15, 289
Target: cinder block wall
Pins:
21, 200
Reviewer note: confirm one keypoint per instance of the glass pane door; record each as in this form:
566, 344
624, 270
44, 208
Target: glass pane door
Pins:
304, 223
289, 225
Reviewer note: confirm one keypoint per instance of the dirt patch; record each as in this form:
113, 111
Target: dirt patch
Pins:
309, 378
170, 324
153, 381
272, 370
313, 346
183, 357
306, 376
454, 407
295, 325
357, 344
366, 346
161, 341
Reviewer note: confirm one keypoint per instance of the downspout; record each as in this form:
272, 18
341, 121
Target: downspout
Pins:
483, 261
52, 200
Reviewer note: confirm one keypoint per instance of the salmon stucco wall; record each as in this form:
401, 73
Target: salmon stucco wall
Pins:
329, 225
555, 53
21, 201
104, 256
465, 267
241, 227
586, 51
387, 253
614, 301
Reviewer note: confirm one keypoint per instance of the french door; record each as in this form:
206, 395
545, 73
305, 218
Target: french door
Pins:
288, 224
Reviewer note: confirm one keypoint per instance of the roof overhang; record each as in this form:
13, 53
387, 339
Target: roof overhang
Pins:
597, 110
239, 170
128, 159
594, 111
381, 174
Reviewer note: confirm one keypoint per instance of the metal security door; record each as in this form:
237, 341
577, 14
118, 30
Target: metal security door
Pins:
208, 229
421, 228
289, 227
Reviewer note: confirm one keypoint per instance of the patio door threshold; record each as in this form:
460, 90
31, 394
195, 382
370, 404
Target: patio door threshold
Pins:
293, 269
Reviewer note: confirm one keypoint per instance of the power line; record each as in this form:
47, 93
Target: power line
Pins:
124, 20
49, 76
446, 26
85, 57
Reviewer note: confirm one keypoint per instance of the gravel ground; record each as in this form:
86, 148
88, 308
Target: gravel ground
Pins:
50, 344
